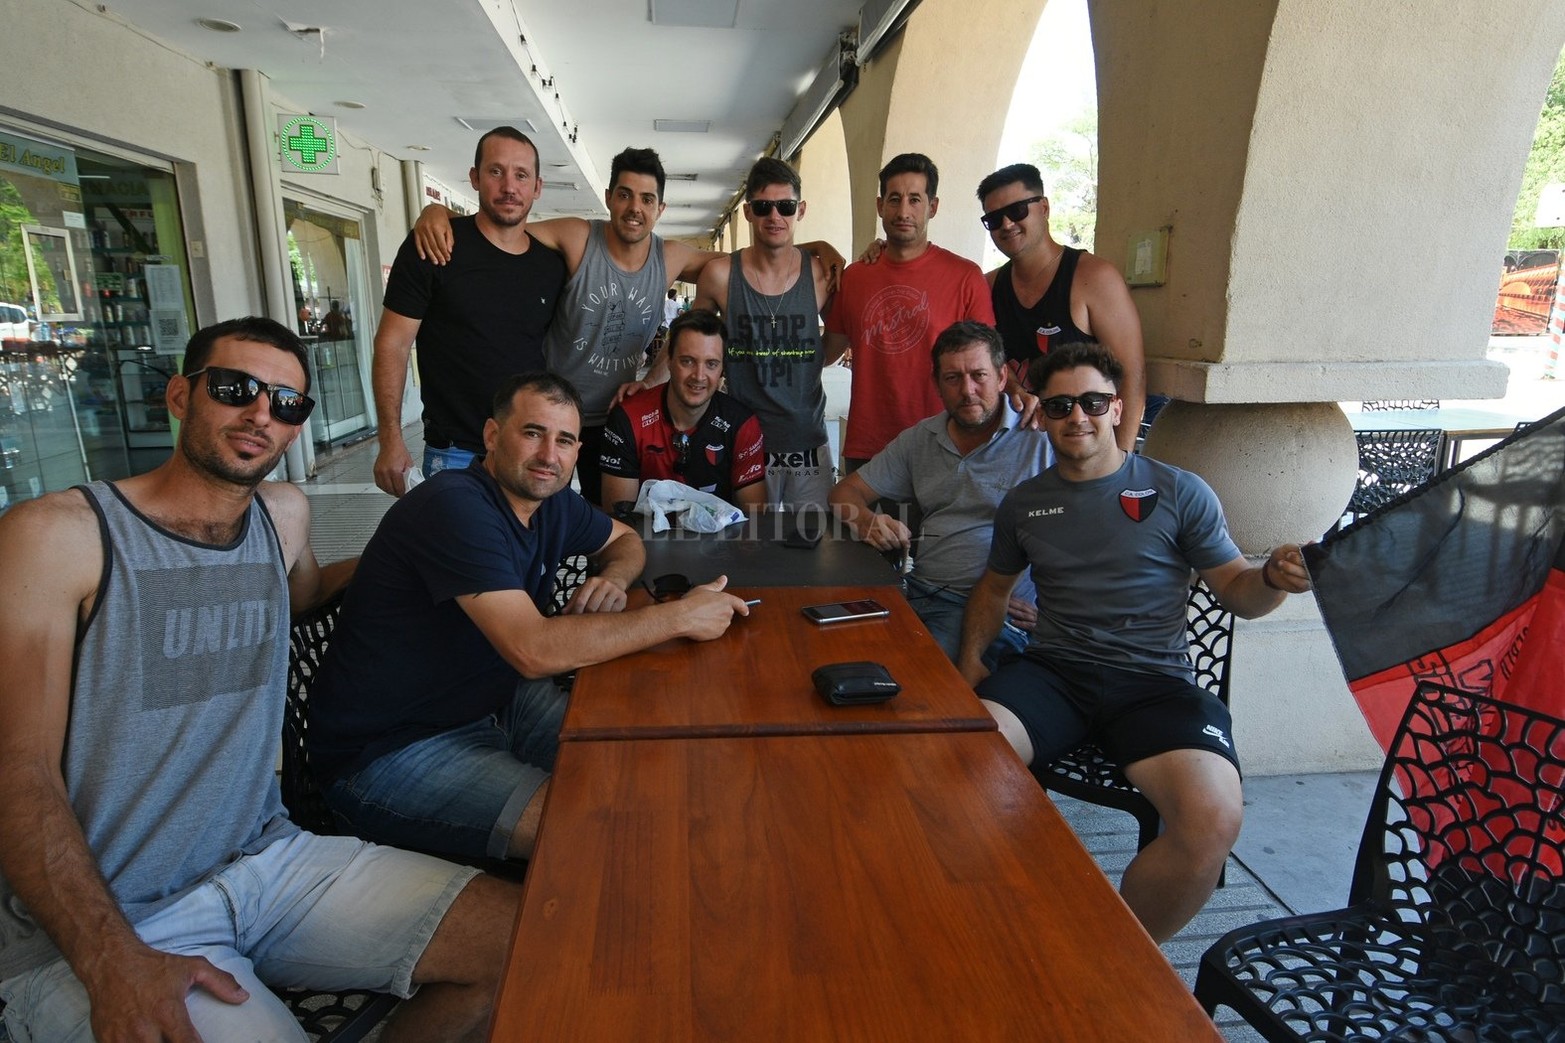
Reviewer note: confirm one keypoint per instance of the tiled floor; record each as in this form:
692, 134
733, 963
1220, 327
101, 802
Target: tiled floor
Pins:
1295, 853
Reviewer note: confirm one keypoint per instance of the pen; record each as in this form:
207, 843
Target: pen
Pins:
752, 602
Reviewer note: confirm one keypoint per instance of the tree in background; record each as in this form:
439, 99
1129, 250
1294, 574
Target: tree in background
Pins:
1545, 166
1068, 160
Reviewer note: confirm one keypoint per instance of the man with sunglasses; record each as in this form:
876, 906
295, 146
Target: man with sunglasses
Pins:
888, 313
151, 884
953, 467
436, 718
772, 295
1047, 294
686, 430
1111, 538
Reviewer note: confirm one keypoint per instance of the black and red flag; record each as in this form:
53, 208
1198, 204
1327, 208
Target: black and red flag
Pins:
1461, 582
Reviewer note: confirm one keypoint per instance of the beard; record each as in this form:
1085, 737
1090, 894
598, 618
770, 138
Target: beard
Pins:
207, 455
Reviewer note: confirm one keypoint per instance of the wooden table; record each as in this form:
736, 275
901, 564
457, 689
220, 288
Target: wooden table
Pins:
755, 679
843, 887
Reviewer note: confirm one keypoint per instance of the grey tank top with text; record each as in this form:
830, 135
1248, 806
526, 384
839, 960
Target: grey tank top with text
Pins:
603, 322
775, 357
177, 705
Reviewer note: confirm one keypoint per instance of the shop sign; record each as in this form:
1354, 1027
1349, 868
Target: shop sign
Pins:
32, 157
307, 144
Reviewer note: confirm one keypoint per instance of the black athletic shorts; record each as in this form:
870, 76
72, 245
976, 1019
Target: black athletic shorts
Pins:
1131, 714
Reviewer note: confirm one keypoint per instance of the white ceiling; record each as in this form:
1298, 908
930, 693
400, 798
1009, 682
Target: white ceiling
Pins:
418, 66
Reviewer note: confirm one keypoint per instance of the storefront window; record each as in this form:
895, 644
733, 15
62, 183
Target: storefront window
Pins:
94, 313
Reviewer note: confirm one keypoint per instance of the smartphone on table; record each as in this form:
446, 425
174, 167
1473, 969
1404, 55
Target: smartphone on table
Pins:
844, 611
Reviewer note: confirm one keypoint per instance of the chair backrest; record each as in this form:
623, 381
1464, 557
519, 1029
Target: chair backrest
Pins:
1391, 464
1466, 834
307, 648
1210, 628
571, 574
1388, 404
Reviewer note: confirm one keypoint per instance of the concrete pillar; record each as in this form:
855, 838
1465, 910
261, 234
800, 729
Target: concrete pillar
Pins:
943, 88
1335, 180
828, 191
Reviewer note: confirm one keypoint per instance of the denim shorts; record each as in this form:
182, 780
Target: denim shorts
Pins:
941, 611
460, 792
325, 913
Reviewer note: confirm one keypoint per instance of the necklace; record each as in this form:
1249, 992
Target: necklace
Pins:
771, 312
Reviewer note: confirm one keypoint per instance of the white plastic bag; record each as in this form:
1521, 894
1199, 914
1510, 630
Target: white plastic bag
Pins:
696, 510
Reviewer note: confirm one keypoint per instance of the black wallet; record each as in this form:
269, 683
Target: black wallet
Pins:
850, 684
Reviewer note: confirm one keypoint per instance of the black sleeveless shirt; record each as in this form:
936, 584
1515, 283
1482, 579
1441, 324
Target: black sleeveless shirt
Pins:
1030, 332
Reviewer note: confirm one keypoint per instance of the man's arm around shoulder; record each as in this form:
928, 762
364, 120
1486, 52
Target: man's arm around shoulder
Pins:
51, 560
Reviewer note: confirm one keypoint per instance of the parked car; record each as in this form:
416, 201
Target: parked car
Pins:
14, 323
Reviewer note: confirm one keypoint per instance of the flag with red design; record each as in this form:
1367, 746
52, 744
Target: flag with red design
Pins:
1461, 582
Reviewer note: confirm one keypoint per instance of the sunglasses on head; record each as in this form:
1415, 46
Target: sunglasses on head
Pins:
235, 387
764, 207
681, 451
1013, 212
1093, 403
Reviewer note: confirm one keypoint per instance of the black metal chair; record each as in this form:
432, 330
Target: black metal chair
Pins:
1391, 464
1387, 404
328, 1017
1089, 774
1455, 928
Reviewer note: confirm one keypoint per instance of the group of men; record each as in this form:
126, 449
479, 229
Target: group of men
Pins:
151, 884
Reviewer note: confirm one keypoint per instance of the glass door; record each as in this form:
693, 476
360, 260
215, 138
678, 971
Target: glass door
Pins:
327, 261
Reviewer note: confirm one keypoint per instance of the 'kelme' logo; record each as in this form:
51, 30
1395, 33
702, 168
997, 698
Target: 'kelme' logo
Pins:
1138, 504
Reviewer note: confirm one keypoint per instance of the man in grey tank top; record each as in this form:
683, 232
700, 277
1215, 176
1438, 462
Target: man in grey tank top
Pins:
151, 884
772, 295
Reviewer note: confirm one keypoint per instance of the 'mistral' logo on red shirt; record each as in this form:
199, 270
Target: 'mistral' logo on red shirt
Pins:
1138, 504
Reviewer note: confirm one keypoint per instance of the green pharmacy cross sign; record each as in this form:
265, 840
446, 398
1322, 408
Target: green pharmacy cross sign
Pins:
308, 144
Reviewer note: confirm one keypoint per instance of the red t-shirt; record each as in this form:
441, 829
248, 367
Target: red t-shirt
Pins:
891, 314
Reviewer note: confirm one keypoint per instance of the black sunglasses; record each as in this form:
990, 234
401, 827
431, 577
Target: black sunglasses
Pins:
764, 207
235, 387
681, 451
1014, 212
1093, 403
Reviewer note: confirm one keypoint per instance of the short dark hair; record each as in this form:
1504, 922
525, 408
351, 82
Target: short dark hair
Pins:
637, 161
701, 321
1073, 356
912, 163
1025, 173
551, 386
769, 171
505, 132
257, 328
961, 335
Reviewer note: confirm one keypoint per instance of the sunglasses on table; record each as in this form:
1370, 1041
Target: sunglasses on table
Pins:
1093, 403
1013, 212
235, 387
764, 207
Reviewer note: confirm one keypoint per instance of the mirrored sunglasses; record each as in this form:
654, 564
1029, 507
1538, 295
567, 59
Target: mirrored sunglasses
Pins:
234, 387
764, 207
1013, 212
1093, 403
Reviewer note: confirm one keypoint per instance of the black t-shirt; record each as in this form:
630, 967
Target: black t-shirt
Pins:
483, 317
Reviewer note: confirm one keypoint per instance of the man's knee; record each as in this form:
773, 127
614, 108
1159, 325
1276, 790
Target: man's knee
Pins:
471, 943
1012, 729
1198, 795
